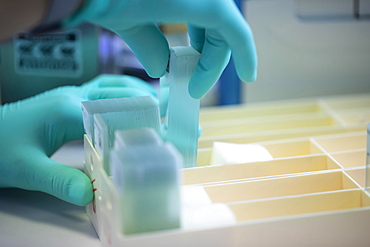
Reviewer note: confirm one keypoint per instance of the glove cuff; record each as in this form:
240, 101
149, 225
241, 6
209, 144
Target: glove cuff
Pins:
91, 9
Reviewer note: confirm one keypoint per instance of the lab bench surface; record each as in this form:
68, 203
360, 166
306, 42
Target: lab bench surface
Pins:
30, 218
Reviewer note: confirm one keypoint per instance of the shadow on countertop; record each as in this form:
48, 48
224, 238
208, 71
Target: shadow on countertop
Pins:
46, 209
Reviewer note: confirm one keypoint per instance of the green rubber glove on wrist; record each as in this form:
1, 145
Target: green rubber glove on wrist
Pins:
216, 29
33, 129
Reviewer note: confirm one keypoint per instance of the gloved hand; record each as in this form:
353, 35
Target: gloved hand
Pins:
32, 130
216, 28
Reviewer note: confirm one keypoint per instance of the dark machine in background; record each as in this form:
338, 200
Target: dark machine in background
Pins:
33, 63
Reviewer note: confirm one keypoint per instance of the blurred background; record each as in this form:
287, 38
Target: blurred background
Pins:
306, 48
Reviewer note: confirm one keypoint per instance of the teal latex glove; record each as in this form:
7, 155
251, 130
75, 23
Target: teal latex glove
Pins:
33, 129
216, 29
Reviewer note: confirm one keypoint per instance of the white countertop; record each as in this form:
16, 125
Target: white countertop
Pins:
29, 218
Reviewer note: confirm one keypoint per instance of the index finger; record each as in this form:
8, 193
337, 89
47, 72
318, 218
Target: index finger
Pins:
225, 18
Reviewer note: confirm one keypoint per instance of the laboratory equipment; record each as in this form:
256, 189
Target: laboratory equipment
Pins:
182, 118
32, 63
146, 174
314, 187
103, 117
